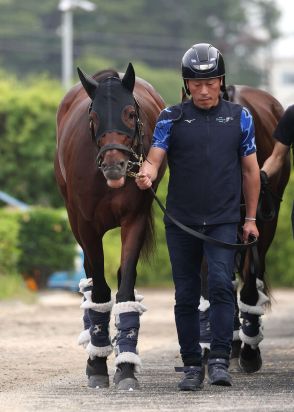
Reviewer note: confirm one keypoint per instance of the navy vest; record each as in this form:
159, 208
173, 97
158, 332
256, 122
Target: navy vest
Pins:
204, 161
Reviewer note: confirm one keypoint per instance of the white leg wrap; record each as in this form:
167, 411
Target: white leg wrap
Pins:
98, 351
253, 341
204, 304
130, 306
236, 335
129, 357
98, 307
204, 345
138, 297
259, 284
87, 302
85, 283
84, 338
258, 309
235, 284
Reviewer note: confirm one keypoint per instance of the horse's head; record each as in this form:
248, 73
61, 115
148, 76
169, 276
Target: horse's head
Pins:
113, 119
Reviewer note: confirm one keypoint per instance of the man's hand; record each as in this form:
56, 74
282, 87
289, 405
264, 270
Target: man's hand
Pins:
249, 229
143, 181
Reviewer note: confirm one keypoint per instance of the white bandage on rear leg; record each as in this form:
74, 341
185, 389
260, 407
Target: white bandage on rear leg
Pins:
204, 304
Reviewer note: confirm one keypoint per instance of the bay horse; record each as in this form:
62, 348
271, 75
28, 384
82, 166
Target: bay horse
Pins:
254, 294
104, 128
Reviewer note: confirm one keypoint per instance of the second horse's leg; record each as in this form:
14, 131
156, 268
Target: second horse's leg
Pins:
252, 301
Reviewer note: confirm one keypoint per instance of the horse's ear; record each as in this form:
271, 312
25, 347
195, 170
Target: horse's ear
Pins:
89, 84
128, 81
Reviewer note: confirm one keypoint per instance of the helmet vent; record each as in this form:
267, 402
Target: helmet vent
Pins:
203, 66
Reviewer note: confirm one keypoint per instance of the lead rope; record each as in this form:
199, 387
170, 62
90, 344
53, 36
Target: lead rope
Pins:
252, 244
199, 235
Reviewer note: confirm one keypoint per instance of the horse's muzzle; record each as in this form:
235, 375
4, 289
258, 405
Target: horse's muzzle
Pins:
115, 174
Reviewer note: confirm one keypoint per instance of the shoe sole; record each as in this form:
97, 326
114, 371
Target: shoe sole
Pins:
221, 383
190, 388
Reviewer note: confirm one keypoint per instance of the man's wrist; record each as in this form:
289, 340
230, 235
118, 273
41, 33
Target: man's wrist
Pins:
250, 219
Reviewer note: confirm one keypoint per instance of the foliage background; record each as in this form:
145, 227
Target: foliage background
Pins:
153, 35
155, 32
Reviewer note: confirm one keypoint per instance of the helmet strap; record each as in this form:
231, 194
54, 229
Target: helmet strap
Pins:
223, 88
186, 87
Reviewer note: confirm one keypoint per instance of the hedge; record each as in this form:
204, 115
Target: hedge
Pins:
35, 243
38, 242
280, 258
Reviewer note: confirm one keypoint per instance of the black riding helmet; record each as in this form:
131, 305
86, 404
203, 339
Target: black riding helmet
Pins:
203, 61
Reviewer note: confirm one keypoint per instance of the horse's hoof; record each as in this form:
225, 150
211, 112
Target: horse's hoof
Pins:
234, 365
250, 364
98, 381
124, 378
128, 384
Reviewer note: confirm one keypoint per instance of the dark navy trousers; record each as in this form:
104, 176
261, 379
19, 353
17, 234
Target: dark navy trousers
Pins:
186, 253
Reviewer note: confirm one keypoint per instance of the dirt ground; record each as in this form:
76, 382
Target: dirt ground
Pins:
43, 369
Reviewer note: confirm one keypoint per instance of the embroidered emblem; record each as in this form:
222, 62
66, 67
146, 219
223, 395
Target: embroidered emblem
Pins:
97, 329
189, 120
247, 323
221, 119
132, 334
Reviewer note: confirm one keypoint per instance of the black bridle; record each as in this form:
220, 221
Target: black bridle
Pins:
136, 151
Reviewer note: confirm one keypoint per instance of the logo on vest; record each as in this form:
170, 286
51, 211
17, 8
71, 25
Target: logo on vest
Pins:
189, 120
221, 119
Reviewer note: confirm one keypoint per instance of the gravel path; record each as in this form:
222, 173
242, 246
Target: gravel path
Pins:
43, 369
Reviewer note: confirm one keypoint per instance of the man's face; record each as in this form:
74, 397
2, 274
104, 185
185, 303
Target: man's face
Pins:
205, 92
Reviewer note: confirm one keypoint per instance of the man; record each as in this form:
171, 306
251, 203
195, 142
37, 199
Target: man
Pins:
209, 143
284, 134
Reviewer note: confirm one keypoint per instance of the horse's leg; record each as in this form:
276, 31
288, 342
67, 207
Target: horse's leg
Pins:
127, 310
236, 344
97, 305
252, 301
205, 332
84, 337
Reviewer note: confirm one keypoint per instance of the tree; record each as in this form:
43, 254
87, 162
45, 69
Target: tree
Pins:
156, 32
27, 143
